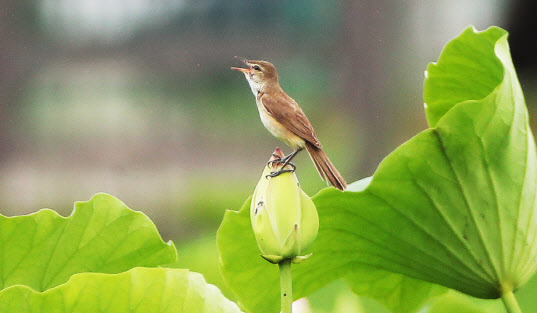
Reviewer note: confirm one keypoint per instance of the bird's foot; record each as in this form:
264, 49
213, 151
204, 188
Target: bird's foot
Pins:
283, 170
276, 173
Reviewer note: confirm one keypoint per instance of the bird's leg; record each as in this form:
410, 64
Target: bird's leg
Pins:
286, 161
288, 158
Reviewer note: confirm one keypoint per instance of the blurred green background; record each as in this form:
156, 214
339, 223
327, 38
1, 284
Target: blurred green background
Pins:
135, 97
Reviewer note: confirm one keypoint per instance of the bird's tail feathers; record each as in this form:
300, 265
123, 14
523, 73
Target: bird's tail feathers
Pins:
326, 169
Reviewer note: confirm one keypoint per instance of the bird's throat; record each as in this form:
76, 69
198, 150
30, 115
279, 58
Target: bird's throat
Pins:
255, 86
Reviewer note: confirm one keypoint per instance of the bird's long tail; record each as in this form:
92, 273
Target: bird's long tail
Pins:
326, 169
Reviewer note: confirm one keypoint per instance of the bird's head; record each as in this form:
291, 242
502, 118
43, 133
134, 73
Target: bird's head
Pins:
258, 74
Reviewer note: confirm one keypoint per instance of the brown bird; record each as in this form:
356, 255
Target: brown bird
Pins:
284, 118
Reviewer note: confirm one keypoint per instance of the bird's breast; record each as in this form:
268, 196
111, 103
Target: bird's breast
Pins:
278, 130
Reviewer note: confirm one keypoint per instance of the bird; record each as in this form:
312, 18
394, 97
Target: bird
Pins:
282, 117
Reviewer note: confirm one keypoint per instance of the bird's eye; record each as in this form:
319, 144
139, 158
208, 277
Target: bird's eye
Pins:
256, 67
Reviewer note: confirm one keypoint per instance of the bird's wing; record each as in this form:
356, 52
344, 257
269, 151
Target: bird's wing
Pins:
286, 111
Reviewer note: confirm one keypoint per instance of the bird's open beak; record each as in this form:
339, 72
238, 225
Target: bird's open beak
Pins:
244, 70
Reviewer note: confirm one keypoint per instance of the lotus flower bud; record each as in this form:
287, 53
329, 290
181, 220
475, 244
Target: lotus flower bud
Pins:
283, 216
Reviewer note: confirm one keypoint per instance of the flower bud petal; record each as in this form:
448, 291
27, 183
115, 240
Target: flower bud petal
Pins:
309, 222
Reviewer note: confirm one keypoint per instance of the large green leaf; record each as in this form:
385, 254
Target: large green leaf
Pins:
144, 290
44, 250
455, 205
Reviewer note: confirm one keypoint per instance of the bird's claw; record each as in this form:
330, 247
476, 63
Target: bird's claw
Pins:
292, 166
277, 159
276, 173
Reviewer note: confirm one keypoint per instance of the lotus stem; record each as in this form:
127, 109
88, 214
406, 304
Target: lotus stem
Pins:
510, 302
286, 286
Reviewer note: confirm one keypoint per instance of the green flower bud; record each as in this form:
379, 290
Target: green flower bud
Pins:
283, 216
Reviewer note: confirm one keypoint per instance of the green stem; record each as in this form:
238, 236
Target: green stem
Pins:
286, 286
510, 302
